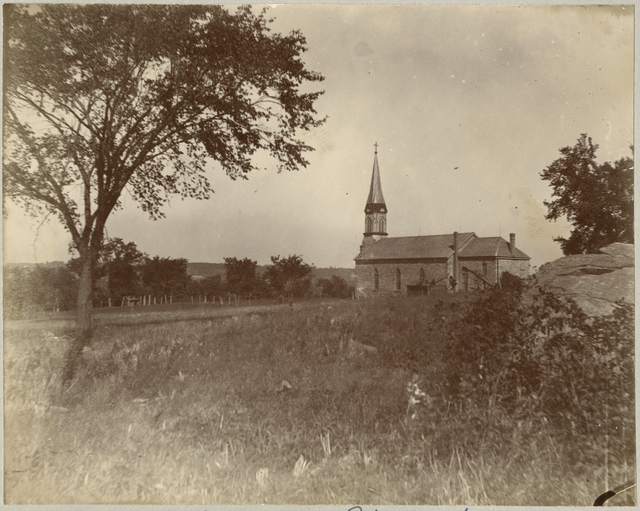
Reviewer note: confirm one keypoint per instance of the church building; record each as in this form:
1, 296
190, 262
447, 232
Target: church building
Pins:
423, 264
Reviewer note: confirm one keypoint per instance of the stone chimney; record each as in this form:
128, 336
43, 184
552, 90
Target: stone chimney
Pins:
512, 242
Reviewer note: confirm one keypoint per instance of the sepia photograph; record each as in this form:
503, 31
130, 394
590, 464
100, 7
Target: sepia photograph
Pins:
296, 254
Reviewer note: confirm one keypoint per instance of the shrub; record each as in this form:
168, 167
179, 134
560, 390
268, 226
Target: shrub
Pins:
335, 287
511, 282
544, 356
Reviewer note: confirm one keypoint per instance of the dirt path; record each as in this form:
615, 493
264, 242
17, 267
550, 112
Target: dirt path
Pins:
160, 314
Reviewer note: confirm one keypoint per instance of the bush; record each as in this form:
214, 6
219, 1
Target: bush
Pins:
544, 356
511, 282
335, 287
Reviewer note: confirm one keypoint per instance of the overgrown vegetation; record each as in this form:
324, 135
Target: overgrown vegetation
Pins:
542, 357
503, 400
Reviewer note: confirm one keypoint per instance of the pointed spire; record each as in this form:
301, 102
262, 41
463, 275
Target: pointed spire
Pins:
375, 192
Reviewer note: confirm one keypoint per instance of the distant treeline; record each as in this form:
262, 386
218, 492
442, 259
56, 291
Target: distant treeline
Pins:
126, 276
201, 270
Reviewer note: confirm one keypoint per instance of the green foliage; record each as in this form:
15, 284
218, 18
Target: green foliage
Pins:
596, 198
336, 287
289, 276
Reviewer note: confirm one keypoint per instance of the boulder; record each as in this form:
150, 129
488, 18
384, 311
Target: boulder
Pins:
593, 281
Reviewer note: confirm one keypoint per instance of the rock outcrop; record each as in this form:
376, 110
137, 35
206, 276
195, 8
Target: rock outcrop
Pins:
594, 281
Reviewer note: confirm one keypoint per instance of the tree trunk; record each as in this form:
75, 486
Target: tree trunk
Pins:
84, 330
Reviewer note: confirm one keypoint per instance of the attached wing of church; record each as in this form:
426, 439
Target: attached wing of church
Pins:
424, 264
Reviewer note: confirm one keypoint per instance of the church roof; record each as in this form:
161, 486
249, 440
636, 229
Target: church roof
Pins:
375, 192
439, 246
493, 246
414, 247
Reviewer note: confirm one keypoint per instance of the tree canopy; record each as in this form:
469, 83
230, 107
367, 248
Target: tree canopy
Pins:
165, 276
289, 276
596, 198
240, 275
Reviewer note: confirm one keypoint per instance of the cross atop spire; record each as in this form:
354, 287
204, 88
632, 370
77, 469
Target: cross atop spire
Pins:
376, 144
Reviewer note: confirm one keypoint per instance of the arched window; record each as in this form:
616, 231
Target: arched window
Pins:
382, 227
484, 269
398, 280
423, 277
368, 225
376, 279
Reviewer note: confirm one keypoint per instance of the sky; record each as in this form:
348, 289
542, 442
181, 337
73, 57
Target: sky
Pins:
468, 104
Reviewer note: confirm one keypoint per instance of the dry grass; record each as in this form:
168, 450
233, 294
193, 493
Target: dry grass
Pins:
267, 405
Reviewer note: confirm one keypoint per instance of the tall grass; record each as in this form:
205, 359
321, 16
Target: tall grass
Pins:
272, 406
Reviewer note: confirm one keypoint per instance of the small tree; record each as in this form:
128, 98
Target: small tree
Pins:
240, 275
336, 287
164, 276
99, 98
596, 199
289, 276
123, 268
212, 285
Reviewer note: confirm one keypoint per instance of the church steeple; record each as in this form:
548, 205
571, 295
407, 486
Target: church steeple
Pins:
375, 223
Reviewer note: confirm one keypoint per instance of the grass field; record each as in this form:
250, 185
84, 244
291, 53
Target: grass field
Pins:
328, 403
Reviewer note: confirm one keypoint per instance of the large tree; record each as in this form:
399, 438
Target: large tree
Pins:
596, 198
99, 99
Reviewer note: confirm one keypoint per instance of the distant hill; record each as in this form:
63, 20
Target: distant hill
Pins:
210, 269
48, 264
